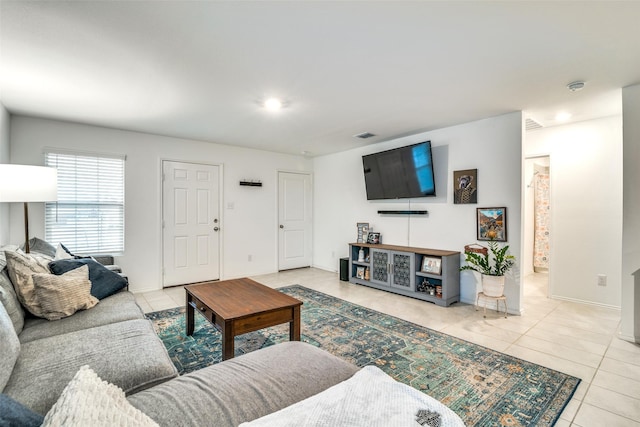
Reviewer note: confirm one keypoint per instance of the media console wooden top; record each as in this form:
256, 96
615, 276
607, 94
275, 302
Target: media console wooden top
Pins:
422, 251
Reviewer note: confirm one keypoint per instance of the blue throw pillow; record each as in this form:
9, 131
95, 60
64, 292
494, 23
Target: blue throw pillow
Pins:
14, 414
104, 282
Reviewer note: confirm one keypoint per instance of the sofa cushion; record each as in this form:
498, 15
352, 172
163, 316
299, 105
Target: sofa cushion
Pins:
9, 347
13, 414
128, 354
103, 281
89, 401
10, 301
116, 308
244, 388
61, 296
21, 267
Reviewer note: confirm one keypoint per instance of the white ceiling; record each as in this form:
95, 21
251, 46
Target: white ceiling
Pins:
199, 70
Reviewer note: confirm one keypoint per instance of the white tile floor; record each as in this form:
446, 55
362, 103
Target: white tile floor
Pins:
577, 339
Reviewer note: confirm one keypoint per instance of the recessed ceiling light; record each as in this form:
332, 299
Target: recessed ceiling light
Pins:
273, 104
563, 116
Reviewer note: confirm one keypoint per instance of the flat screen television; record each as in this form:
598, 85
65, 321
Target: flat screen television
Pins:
400, 173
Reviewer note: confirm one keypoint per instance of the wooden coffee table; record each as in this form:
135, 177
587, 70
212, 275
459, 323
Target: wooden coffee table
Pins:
239, 306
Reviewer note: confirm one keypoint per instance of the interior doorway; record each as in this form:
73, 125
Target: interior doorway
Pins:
537, 219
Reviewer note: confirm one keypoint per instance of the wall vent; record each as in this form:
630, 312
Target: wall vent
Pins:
364, 135
531, 124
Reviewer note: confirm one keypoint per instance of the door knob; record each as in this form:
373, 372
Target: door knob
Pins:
216, 228
281, 226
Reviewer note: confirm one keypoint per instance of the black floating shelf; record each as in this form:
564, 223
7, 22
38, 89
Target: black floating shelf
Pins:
403, 212
251, 183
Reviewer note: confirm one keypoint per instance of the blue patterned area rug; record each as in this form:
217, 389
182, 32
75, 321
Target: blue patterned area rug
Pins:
483, 386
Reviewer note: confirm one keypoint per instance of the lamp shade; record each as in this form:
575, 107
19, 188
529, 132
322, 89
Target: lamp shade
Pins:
25, 183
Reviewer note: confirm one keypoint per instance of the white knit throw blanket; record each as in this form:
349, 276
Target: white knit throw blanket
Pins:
370, 398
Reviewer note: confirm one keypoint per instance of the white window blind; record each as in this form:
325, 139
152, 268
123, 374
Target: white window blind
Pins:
88, 217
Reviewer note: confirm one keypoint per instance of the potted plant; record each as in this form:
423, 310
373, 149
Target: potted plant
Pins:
492, 264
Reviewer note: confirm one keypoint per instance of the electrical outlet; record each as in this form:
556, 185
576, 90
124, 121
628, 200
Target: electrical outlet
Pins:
333, 254
250, 258
602, 280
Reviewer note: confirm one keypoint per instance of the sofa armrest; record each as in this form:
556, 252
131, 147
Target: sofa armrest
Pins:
104, 259
244, 388
109, 262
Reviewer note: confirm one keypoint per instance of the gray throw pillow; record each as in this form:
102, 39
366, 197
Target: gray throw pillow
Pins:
40, 246
10, 301
9, 347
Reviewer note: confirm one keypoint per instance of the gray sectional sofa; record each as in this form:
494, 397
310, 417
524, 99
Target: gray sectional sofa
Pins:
38, 358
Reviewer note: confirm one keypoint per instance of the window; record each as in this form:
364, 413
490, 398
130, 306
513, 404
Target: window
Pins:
88, 217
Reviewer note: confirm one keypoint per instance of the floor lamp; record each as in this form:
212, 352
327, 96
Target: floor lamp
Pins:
24, 183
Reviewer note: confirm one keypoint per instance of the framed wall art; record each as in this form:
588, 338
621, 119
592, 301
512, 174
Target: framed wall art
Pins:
492, 224
465, 186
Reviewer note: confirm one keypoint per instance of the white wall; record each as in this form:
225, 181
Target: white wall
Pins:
585, 201
630, 328
493, 146
4, 158
250, 228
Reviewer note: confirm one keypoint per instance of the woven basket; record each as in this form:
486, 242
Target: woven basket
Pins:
493, 286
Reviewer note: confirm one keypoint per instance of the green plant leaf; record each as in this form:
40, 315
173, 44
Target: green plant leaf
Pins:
497, 262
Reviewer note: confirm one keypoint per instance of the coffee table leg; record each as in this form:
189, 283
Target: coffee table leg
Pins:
190, 322
227, 341
294, 325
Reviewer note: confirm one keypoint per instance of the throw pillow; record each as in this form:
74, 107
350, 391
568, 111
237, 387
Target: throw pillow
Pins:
9, 347
21, 266
3, 259
62, 253
103, 281
61, 296
40, 246
14, 414
89, 401
9, 299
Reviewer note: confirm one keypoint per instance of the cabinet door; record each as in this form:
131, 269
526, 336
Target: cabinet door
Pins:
380, 267
403, 276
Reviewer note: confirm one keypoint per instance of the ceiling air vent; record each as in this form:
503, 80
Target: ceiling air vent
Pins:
531, 124
364, 135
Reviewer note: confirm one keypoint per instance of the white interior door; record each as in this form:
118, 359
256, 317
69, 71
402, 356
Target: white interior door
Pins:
294, 214
191, 223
